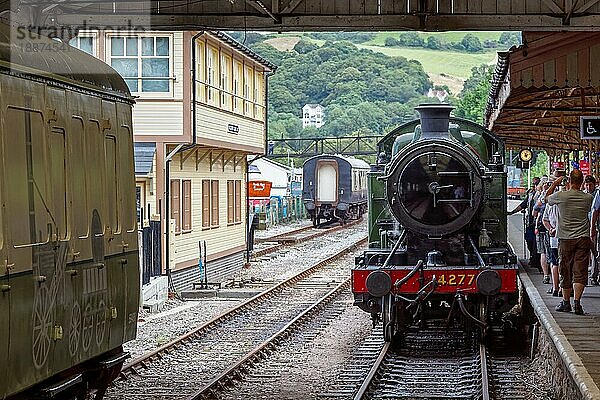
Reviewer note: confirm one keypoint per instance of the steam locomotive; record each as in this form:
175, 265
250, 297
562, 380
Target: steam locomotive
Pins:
438, 247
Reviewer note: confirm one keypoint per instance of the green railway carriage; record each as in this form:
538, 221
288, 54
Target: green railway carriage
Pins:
69, 277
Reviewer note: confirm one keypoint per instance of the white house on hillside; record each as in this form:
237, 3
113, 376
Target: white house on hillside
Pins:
312, 115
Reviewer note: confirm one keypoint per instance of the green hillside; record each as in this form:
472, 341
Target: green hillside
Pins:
452, 63
448, 37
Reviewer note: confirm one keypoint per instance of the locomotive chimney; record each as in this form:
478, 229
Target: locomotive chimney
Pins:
435, 119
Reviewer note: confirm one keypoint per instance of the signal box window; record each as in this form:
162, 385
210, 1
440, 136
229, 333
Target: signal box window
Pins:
143, 61
85, 43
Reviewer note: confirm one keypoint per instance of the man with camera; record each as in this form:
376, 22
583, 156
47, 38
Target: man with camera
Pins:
574, 239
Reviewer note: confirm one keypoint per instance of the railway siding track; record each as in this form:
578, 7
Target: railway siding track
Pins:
238, 369
235, 332
304, 234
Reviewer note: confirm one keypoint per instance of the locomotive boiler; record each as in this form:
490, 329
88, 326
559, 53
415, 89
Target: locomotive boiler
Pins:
438, 247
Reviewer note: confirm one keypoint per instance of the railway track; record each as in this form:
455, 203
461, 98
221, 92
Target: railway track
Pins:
443, 365
296, 236
217, 349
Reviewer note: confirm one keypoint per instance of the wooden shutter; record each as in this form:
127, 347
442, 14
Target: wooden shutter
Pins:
214, 203
205, 203
230, 202
176, 204
187, 205
238, 201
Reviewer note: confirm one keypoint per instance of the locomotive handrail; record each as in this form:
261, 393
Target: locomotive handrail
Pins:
402, 281
394, 249
477, 254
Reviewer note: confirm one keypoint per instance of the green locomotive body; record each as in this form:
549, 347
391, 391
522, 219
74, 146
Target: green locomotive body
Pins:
438, 247
69, 274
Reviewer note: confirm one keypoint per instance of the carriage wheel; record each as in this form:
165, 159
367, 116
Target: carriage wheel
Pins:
388, 314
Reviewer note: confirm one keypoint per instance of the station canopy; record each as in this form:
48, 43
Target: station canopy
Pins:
541, 89
315, 15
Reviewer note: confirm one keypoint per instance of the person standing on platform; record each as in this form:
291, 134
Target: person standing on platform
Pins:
541, 233
550, 220
591, 187
574, 239
527, 204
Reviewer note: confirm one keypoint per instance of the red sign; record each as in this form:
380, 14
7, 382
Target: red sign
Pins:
259, 189
558, 165
584, 167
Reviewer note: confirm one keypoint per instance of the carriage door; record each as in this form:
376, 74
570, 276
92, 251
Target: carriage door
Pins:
327, 181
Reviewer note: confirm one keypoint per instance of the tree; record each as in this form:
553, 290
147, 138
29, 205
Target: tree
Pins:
433, 43
471, 43
411, 39
391, 42
509, 39
305, 47
473, 98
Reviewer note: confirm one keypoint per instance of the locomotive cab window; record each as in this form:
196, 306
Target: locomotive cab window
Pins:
435, 188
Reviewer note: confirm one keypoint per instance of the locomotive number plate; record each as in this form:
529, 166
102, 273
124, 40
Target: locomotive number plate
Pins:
455, 279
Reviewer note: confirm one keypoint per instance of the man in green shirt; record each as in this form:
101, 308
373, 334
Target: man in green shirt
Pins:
574, 241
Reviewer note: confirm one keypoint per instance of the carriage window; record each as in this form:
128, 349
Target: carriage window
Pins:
77, 160
112, 194
28, 218
58, 180
126, 178
94, 169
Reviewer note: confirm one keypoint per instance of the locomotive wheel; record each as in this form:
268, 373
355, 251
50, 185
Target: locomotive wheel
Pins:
388, 315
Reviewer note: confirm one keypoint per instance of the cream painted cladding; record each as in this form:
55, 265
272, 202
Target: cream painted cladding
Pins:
228, 93
226, 237
225, 129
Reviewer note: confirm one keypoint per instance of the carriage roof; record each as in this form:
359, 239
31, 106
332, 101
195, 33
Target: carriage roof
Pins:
25, 52
354, 162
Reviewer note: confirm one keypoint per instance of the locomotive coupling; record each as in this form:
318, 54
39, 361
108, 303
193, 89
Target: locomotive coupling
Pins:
378, 283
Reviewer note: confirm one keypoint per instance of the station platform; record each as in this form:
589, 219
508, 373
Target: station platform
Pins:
576, 337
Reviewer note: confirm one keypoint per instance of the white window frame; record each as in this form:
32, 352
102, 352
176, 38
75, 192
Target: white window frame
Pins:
88, 34
139, 57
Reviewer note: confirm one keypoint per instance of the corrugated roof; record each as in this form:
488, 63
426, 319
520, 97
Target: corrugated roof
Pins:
144, 156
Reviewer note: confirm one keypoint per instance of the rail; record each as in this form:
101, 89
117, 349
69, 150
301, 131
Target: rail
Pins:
237, 369
142, 362
289, 238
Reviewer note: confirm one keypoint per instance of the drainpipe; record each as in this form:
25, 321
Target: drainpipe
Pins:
168, 159
194, 128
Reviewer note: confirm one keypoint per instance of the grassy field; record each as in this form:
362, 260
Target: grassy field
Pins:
447, 37
450, 63
449, 68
